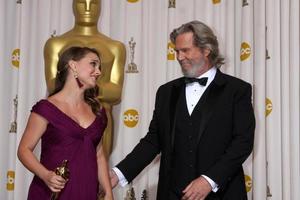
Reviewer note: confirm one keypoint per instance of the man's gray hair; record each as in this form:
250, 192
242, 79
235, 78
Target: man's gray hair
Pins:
204, 38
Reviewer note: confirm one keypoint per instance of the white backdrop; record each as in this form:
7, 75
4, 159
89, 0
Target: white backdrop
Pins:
259, 39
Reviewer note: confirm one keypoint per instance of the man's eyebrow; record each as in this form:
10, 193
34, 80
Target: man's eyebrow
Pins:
184, 48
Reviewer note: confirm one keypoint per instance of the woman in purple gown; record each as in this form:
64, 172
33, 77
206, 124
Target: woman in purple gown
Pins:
70, 124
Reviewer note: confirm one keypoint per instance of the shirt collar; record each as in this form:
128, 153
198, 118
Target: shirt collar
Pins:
210, 74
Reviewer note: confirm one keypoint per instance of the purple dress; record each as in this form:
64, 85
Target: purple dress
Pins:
66, 139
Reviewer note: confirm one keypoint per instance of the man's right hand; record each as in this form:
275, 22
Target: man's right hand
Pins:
114, 180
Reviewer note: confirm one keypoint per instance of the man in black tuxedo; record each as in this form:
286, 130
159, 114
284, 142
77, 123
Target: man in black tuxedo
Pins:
203, 126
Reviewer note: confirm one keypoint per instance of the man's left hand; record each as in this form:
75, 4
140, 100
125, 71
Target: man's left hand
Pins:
198, 189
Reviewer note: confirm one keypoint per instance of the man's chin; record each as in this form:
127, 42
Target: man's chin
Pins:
189, 74
186, 74
185, 68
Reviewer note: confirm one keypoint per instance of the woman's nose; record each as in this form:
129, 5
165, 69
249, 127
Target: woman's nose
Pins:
98, 71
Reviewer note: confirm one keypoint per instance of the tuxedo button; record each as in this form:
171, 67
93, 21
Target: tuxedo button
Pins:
191, 151
191, 165
190, 137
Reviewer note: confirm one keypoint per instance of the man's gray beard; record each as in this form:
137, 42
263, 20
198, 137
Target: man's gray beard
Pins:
192, 73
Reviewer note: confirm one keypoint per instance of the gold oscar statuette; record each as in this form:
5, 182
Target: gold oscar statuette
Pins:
64, 172
130, 194
144, 195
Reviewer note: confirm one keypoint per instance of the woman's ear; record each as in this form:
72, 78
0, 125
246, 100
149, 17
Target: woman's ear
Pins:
72, 65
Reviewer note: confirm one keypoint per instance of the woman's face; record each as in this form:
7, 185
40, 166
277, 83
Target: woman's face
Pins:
88, 69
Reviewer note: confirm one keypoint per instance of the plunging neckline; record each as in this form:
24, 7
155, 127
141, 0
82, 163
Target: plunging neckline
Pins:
70, 118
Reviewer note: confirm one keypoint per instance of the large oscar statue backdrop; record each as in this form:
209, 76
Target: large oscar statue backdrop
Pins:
85, 33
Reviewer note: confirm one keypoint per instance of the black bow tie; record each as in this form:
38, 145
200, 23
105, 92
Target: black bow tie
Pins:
201, 81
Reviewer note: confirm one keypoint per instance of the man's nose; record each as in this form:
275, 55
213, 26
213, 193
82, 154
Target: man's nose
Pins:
180, 56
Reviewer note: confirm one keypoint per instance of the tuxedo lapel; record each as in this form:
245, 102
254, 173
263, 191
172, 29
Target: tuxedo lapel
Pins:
176, 90
210, 98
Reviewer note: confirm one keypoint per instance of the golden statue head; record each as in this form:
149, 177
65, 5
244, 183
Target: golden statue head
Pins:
86, 12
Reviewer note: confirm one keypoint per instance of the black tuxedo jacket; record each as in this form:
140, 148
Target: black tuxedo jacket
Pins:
224, 141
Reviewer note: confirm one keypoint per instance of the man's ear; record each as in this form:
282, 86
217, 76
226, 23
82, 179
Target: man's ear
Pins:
206, 52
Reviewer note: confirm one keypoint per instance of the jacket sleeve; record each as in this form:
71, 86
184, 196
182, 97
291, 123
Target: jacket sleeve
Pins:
242, 139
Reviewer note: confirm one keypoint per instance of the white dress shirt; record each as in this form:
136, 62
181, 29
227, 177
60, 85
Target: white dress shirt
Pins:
193, 92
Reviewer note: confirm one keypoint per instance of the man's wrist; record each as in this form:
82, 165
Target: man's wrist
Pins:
122, 180
214, 186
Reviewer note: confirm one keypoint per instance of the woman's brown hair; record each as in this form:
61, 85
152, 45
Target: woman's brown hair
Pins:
76, 53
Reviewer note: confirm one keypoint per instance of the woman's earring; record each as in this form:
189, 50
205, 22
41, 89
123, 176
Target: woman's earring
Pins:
77, 80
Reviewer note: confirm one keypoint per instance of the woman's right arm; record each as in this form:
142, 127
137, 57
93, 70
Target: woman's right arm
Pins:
34, 130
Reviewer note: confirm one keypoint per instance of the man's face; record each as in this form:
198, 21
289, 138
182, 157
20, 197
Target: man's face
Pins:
86, 11
193, 60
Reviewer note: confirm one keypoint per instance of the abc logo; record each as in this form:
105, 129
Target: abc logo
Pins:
132, 1
131, 118
248, 183
171, 51
216, 1
15, 58
269, 106
10, 180
245, 51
